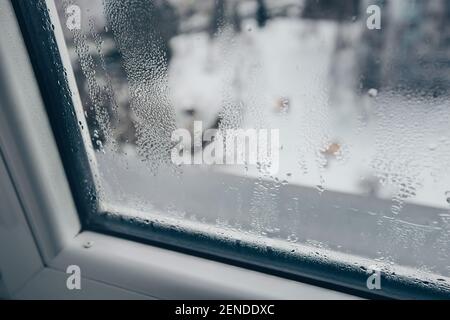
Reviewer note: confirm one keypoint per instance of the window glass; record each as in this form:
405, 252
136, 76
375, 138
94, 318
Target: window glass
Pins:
317, 124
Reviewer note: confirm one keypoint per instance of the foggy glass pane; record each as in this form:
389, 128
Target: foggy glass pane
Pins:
361, 167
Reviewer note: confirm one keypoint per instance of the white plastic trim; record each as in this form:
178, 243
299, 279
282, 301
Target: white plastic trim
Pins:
166, 274
28, 145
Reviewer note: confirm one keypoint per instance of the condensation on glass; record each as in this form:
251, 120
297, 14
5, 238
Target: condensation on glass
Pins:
363, 116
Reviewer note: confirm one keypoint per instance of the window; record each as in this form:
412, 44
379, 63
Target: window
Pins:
300, 137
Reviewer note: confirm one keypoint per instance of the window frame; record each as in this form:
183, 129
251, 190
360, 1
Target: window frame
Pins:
75, 222
46, 220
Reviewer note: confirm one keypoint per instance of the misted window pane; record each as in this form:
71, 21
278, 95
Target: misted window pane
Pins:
316, 123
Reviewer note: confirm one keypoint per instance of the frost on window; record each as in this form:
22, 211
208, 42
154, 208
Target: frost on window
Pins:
363, 117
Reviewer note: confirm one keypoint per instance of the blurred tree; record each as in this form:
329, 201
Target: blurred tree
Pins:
372, 47
218, 17
331, 9
261, 13
236, 18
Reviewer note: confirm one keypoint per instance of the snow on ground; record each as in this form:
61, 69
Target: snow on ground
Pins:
290, 62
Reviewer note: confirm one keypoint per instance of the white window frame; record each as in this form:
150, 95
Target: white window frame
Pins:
41, 232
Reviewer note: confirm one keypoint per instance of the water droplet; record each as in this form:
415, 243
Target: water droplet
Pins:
372, 93
283, 104
88, 244
432, 146
292, 238
320, 189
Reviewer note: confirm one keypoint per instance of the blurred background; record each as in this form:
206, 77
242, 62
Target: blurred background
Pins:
360, 112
